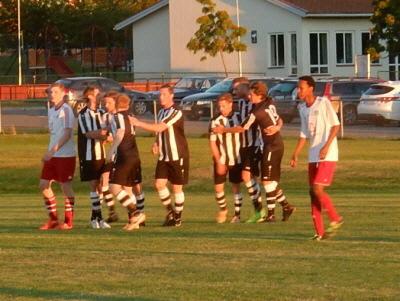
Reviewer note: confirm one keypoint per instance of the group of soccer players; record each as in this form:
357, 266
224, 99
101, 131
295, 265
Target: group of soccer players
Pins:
246, 146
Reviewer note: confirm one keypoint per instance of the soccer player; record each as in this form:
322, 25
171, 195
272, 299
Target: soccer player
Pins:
265, 116
250, 151
109, 101
225, 150
173, 151
59, 160
126, 162
319, 124
91, 134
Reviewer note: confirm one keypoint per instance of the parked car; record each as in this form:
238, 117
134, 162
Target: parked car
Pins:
284, 95
76, 85
348, 90
186, 86
199, 105
381, 103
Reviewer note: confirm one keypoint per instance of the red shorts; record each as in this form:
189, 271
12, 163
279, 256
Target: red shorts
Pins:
321, 173
59, 169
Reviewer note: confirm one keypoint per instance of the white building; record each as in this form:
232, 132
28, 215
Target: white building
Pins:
285, 37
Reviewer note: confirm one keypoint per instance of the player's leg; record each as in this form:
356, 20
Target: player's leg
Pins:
108, 196
164, 194
138, 190
238, 200
179, 203
50, 204
69, 202
178, 176
219, 183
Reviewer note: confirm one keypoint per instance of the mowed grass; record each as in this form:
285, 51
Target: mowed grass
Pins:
203, 260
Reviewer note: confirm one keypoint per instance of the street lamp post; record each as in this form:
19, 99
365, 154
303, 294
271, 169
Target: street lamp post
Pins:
239, 52
19, 44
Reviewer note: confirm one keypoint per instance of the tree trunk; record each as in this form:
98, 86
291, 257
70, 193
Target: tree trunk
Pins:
223, 63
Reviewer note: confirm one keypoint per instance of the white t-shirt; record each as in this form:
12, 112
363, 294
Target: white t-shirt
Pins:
316, 124
61, 119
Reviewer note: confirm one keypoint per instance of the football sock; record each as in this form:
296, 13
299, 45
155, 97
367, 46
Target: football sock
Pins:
221, 201
254, 192
96, 207
281, 198
140, 202
165, 198
179, 202
238, 203
108, 197
69, 210
270, 191
50, 204
127, 201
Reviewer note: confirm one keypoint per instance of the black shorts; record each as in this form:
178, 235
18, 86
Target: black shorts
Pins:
126, 172
177, 172
91, 170
108, 167
271, 165
234, 172
251, 157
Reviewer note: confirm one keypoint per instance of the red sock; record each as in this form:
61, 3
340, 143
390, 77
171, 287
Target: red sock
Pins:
317, 216
51, 207
327, 204
69, 210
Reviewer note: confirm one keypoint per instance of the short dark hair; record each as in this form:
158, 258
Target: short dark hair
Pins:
309, 80
241, 81
89, 90
169, 87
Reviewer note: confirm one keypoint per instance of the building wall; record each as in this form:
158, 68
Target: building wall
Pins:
331, 27
151, 43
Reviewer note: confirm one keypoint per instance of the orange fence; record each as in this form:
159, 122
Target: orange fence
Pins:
15, 92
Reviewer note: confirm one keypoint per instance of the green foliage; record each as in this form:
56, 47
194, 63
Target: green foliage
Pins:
217, 33
386, 20
66, 24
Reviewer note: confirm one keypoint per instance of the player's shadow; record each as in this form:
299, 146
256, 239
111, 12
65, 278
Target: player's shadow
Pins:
14, 292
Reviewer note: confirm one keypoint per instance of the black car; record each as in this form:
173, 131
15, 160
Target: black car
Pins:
199, 105
184, 87
76, 85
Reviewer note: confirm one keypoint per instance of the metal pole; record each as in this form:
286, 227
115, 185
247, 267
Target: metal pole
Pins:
19, 44
239, 52
341, 118
1, 128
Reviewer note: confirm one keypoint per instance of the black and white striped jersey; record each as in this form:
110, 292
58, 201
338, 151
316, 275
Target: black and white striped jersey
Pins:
172, 142
128, 146
264, 115
228, 143
90, 149
250, 137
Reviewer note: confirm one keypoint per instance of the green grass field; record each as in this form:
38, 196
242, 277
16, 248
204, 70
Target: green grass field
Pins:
203, 260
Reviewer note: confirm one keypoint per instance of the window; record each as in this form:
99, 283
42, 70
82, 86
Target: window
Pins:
394, 67
318, 53
293, 53
365, 40
277, 46
344, 48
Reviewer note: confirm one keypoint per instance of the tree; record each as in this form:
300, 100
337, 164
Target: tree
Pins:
217, 33
386, 20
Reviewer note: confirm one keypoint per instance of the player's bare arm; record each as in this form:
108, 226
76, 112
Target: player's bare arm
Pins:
219, 129
151, 127
332, 134
300, 144
273, 129
119, 135
64, 139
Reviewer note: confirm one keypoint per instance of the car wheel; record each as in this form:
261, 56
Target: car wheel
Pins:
139, 107
349, 115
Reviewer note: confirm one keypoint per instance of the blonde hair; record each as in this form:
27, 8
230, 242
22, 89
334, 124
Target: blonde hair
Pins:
122, 102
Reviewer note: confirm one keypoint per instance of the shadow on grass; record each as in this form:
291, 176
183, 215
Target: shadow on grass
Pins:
54, 295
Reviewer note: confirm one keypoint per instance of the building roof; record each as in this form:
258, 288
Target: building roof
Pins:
331, 7
302, 8
141, 15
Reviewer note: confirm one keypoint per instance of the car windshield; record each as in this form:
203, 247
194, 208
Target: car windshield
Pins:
189, 83
65, 82
378, 89
285, 88
222, 87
